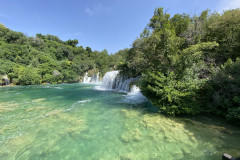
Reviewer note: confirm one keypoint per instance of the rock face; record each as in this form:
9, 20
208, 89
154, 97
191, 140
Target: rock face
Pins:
56, 73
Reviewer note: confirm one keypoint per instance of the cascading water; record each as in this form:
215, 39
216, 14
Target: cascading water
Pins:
93, 79
97, 77
6, 80
123, 83
135, 96
114, 81
86, 79
109, 79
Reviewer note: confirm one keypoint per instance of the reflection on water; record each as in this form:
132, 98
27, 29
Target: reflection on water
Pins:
78, 122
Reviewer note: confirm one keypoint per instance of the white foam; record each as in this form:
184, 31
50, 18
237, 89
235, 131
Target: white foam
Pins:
135, 96
86, 79
109, 79
58, 87
46, 87
99, 88
74, 104
84, 101
113, 81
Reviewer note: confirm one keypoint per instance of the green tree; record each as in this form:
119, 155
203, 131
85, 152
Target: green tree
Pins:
72, 43
28, 76
180, 23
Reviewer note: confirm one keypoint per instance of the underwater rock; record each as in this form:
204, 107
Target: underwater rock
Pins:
54, 112
18, 143
129, 156
34, 109
75, 126
133, 135
38, 100
7, 107
130, 113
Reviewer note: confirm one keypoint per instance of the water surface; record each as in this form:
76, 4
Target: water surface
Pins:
75, 121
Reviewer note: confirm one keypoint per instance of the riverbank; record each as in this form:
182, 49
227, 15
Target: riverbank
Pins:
12, 85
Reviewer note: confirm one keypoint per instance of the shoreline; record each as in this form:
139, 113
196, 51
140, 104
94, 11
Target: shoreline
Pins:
12, 85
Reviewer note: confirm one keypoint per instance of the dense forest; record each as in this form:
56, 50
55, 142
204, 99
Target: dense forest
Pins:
47, 59
188, 64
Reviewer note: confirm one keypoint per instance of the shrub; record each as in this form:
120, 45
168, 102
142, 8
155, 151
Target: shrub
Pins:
28, 76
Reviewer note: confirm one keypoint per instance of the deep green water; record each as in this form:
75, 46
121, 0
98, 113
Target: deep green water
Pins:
74, 121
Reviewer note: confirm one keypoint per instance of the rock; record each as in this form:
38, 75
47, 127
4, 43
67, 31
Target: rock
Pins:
133, 135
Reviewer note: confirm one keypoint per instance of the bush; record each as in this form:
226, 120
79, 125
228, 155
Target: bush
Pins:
15, 81
170, 95
49, 78
28, 76
223, 91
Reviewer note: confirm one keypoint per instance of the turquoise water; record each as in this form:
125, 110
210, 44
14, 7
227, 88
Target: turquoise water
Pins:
75, 121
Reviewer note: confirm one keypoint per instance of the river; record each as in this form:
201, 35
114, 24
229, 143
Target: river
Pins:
78, 121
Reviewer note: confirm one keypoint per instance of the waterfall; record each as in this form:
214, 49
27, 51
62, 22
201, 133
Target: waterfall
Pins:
93, 79
135, 96
123, 83
113, 81
6, 80
86, 79
109, 79
97, 77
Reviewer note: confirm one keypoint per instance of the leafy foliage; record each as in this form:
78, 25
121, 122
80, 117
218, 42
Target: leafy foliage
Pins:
28, 76
184, 64
223, 91
189, 64
35, 60
170, 95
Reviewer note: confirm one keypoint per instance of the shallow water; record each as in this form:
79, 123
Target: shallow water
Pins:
74, 121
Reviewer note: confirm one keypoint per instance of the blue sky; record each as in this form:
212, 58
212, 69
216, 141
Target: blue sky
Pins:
99, 24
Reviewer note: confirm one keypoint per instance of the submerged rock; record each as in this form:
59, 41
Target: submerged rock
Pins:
7, 107
133, 135
130, 113
129, 156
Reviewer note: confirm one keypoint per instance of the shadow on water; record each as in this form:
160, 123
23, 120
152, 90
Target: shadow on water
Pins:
213, 135
212, 132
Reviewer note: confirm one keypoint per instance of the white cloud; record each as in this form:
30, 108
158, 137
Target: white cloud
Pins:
229, 4
96, 9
